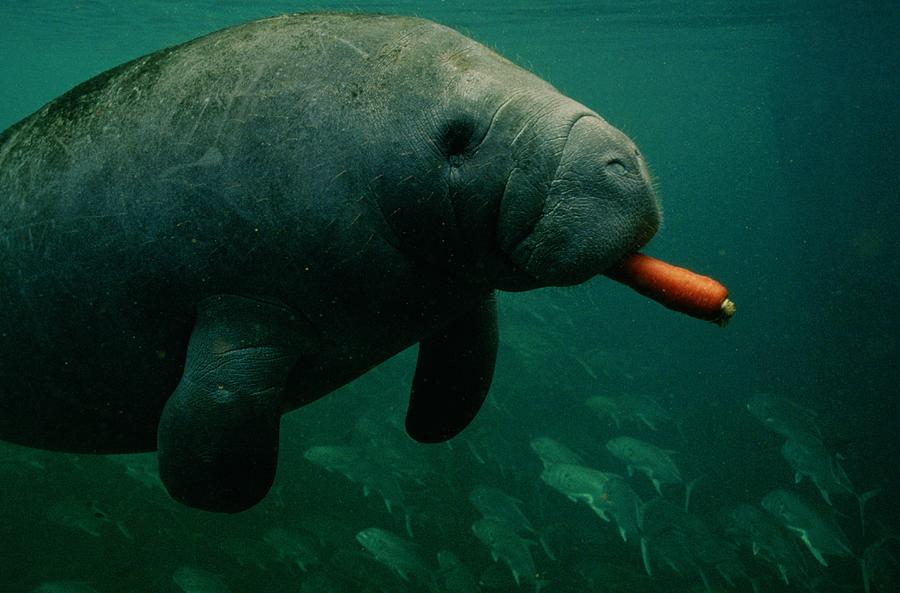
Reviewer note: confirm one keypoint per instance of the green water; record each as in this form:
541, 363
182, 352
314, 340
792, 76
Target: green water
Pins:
771, 131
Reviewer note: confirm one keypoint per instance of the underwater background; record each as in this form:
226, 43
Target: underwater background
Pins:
771, 129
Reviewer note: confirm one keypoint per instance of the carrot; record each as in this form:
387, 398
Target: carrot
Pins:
673, 287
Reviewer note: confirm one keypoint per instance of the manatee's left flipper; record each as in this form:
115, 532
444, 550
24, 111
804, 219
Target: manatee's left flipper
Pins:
218, 434
453, 374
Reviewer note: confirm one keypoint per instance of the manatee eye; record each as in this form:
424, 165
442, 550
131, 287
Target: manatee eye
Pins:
456, 138
616, 167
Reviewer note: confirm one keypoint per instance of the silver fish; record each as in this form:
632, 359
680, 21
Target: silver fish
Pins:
294, 548
820, 536
396, 553
505, 544
812, 460
650, 460
551, 451
350, 463
85, 515
768, 540
64, 587
491, 502
196, 580
455, 576
580, 483
785, 417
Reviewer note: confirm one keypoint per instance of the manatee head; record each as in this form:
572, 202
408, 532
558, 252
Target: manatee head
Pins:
503, 180
597, 206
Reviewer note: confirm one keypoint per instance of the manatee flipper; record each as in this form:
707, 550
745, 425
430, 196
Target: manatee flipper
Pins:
218, 434
453, 374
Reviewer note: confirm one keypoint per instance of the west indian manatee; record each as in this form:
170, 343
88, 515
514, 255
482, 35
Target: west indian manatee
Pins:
821, 536
207, 237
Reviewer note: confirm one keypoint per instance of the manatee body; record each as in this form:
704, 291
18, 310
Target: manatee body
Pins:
202, 239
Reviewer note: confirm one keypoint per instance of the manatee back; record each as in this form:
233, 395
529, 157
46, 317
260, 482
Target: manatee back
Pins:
225, 164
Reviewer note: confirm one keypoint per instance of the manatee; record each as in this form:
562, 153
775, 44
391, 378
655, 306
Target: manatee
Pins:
207, 237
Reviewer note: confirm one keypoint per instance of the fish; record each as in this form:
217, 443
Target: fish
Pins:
197, 580
609, 495
492, 502
64, 587
768, 540
650, 460
606, 407
632, 408
821, 537
248, 551
142, 468
880, 564
685, 543
580, 483
785, 417
84, 515
321, 582
625, 506
550, 451
812, 460
294, 548
397, 553
19, 460
496, 577
350, 462
454, 575
389, 447
505, 544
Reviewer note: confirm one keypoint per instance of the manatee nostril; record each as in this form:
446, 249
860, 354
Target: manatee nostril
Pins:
616, 167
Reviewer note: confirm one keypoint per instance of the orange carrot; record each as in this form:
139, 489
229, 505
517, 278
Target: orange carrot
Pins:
673, 287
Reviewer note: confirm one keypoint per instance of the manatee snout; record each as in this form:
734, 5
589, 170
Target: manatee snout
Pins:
600, 206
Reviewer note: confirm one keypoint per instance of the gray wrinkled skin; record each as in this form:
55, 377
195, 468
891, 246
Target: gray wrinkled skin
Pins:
374, 176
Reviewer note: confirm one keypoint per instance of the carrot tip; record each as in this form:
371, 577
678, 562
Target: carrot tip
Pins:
726, 312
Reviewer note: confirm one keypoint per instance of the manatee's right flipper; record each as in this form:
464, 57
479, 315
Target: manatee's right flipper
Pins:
453, 374
218, 434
